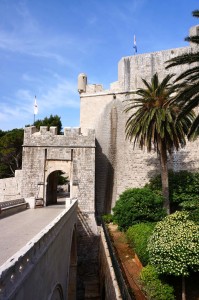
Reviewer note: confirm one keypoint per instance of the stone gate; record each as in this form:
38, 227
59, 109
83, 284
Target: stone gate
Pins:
45, 153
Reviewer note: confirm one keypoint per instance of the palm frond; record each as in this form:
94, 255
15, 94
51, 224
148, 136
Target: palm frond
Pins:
187, 58
187, 73
194, 130
195, 13
193, 39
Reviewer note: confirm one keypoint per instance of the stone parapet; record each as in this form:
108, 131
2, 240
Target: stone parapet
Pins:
108, 279
72, 137
21, 274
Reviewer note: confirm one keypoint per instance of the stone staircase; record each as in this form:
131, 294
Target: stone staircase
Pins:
92, 291
88, 258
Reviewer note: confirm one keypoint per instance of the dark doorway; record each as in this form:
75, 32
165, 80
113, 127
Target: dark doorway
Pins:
51, 189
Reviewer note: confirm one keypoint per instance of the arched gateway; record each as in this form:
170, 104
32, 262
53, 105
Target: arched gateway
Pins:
45, 153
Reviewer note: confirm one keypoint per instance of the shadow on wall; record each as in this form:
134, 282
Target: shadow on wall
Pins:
103, 182
178, 161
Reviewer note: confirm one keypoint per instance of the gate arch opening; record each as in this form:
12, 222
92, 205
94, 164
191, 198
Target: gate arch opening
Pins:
58, 175
57, 187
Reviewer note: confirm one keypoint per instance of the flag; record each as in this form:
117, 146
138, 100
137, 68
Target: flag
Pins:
134, 44
35, 107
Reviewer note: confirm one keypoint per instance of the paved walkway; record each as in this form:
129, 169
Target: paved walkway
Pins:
17, 230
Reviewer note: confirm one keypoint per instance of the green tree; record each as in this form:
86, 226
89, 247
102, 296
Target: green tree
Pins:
11, 146
174, 246
183, 189
153, 123
10, 152
189, 80
50, 121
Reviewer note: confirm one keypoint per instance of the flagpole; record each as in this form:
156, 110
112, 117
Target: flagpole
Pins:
134, 45
35, 109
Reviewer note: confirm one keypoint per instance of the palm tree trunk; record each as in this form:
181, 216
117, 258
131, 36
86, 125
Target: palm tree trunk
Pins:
164, 176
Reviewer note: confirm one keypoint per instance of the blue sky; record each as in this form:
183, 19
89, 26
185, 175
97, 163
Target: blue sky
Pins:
45, 44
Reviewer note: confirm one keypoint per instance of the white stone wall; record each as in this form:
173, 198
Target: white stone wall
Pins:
10, 188
118, 165
44, 150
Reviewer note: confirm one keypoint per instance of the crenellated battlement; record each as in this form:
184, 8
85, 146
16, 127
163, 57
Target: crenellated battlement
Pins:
72, 137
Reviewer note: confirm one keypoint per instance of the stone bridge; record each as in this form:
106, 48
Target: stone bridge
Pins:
46, 265
65, 256
39, 257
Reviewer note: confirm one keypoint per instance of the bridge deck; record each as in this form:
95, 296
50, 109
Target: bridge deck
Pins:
17, 230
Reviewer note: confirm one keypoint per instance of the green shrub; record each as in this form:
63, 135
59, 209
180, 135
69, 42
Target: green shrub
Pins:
183, 186
192, 207
138, 205
153, 286
137, 236
174, 245
107, 218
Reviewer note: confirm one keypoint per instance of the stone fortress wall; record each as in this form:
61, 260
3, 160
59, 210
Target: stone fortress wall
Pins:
107, 170
118, 165
11, 187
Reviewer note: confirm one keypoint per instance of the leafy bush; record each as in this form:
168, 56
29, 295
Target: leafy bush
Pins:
107, 218
174, 245
153, 286
137, 236
192, 207
183, 186
138, 205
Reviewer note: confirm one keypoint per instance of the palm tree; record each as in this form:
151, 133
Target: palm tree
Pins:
152, 123
189, 80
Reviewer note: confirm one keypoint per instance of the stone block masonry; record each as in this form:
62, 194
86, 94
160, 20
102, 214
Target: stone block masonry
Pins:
74, 153
11, 187
118, 164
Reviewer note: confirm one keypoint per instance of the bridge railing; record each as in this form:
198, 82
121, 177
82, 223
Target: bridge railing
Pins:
17, 268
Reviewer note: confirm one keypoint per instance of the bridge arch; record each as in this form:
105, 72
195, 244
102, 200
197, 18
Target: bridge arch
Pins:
57, 293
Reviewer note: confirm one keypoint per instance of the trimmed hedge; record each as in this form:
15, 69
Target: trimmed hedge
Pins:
154, 288
138, 205
137, 236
